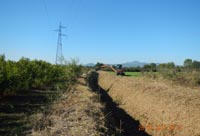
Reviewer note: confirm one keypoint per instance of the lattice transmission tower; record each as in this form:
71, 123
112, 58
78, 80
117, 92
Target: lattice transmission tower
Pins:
59, 55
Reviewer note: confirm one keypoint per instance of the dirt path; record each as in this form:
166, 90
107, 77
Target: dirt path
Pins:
77, 113
162, 109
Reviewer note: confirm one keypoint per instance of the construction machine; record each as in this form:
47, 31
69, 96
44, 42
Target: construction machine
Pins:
117, 69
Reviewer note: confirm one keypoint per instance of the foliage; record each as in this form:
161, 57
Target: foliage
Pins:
133, 69
150, 67
188, 63
72, 70
196, 65
36, 74
134, 74
188, 74
98, 66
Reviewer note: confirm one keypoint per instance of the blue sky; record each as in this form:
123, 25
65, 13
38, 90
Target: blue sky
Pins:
108, 31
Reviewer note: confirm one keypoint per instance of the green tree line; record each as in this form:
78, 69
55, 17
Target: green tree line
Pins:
187, 74
189, 65
27, 74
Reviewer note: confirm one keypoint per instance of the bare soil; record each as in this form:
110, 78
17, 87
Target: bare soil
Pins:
162, 109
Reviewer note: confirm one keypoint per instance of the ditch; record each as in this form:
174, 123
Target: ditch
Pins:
117, 118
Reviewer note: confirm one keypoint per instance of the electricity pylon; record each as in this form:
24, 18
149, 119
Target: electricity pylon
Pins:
59, 56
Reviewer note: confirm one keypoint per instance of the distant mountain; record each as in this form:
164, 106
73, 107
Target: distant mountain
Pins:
134, 64
90, 65
127, 64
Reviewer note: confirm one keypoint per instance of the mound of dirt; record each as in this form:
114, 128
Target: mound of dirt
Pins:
162, 109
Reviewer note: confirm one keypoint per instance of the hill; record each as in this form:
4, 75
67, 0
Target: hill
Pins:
134, 64
126, 64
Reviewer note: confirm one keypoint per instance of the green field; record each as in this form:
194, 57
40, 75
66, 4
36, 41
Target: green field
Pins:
133, 74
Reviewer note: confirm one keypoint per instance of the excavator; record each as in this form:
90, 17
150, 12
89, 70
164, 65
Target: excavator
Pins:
117, 69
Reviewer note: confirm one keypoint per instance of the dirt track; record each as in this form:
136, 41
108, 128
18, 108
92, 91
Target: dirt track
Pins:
162, 109
77, 113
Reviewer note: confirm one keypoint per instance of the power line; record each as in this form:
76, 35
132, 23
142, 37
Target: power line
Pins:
59, 55
46, 12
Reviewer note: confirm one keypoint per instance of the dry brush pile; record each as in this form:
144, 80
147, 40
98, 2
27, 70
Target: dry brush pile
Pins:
162, 109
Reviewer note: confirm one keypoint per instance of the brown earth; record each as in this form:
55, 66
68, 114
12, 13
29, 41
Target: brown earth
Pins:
162, 109
78, 113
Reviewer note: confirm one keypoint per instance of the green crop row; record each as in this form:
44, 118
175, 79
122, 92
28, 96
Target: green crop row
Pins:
27, 74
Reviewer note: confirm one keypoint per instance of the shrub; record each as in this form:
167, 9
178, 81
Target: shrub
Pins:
26, 74
72, 70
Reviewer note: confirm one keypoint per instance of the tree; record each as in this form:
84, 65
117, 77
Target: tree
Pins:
153, 67
170, 65
196, 64
98, 65
188, 63
2, 72
147, 68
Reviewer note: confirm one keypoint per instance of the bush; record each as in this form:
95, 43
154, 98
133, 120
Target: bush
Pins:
72, 70
182, 77
37, 74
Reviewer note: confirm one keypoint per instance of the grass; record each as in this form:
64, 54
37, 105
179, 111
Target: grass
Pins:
79, 112
132, 74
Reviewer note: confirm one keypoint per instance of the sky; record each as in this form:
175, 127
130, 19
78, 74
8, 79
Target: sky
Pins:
108, 31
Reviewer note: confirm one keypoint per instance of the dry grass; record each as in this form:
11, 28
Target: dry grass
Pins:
78, 113
156, 104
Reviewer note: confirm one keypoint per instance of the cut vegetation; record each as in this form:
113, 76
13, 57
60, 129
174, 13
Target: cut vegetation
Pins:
78, 112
